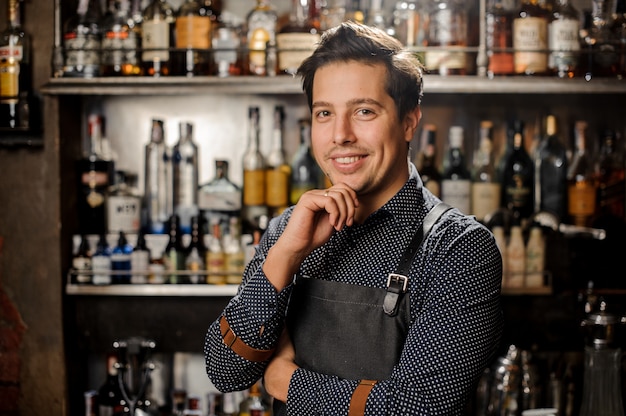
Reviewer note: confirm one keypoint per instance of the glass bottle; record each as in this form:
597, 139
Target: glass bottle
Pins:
233, 253
516, 258
333, 12
409, 19
174, 255
501, 242
602, 47
185, 166
297, 39
253, 404
278, 170
157, 29
609, 174
101, 262
120, 260
193, 31
377, 15
426, 160
220, 198
305, 173
552, 172
110, 398
518, 176
140, 260
253, 174
499, 37
196, 252
225, 44
581, 188
446, 38
123, 206
456, 179
530, 39
82, 38
563, 39
535, 257
81, 262
261, 24
120, 41
215, 258
486, 190
158, 192
15, 73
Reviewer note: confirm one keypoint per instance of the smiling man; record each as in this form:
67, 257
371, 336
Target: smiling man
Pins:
350, 305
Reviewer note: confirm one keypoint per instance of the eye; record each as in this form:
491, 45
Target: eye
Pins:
365, 113
322, 114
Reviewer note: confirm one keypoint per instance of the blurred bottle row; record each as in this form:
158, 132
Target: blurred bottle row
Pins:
521, 37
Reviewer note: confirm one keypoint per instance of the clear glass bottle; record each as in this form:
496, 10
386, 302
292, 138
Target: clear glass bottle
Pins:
225, 44
305, 173
193, 32
81, 262
101, 262
297, 39
185, 173
120, 41
120, 260
261, 24
426, 160
82, 39
233, 253
530, 39
215, 257
518, 176
581, 188
600, 43
15, 73
447, 38
516, 258
456, 179
195, 253
174, 253
278, 170
123, 206
220, 198
157, 38
564, 40
158, 192
552, 181
486, 190
140, 260
253, 174
499, 37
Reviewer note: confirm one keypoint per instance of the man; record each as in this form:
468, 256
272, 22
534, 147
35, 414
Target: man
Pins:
368, 326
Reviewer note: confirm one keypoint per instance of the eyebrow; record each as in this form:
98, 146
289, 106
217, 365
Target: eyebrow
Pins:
352, 102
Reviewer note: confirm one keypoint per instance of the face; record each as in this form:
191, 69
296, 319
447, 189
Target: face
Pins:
356, 135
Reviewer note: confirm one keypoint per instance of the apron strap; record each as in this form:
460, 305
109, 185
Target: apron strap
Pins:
359, 397
397, 282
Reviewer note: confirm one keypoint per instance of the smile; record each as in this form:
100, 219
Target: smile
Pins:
347, 159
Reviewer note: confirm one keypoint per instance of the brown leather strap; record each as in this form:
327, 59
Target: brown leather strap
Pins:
239, 347
359, 397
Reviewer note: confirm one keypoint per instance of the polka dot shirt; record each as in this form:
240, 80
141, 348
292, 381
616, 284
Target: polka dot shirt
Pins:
456, 320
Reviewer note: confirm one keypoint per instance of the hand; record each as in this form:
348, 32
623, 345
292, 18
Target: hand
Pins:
280, 369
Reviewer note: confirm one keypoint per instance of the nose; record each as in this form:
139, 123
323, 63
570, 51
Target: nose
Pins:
342, 130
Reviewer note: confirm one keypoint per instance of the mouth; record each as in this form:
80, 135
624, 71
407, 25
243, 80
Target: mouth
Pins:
347, 159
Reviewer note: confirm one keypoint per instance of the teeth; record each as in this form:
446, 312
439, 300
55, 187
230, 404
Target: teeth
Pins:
351, 159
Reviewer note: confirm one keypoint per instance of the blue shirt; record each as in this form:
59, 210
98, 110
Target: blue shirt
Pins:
456, 319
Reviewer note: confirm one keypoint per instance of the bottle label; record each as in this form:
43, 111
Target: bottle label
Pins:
277, 194
119, 48
82, 52
254, 187
257, 42
457, 194
123, 213
293, 48
485, 199
581, 199
101, 266
81, 263
530, 41
9, 78
156, 36
193, 32
564, 44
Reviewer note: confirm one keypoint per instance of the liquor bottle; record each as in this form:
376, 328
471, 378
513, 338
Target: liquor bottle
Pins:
140, 261
220, 198
456, 179
158, 192
110, 398
233, 253
609, 174
516, 258
332, 13
261, 24
601, 44
446, 38
278, 170
297, 39
81, 262
82, 38
123, 206
426, 160
581, 188
185, 173
499, 37
120, 260
501, 242
518, 176
193, 30
253, 174
253, 404
95, 175
215, 258
563, 40
535, 258
530, 39
120, 41
305, 172
226, 55
156, 39
16, 97
551, 176
174, 255
101, 262
196, 252
377, 16
486, 190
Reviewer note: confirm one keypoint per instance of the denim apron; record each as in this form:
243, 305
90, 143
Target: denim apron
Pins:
350, 331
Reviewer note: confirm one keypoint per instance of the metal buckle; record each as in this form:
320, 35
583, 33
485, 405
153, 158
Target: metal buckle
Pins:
398, 278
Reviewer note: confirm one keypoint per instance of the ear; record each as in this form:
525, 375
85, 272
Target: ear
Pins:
411, 121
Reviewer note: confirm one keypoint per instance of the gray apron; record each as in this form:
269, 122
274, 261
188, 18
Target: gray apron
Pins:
350, 331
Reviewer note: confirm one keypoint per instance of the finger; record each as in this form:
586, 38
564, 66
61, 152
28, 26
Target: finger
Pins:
340, 206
